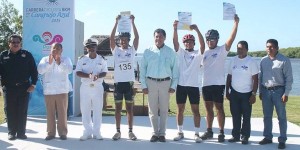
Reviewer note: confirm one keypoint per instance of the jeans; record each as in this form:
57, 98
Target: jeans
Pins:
271, 98
240, 107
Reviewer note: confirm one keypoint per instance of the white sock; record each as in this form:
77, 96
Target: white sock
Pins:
180, 128
197, 130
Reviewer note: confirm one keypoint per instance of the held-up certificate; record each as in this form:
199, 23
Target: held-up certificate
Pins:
124, 23
184, 20
228, 11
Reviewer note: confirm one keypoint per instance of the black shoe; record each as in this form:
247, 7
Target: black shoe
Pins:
23, 136
49, 137
281, 145
245, 140
233, 139
11, 137
265, 141
162, 139
63, 137
154, 138
207, 135
221, 137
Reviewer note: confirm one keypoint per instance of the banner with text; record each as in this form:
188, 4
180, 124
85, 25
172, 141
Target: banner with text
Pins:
46, 22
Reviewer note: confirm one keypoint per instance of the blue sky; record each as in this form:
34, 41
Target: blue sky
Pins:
259, 19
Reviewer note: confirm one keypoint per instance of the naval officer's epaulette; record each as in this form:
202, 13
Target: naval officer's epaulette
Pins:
80, 57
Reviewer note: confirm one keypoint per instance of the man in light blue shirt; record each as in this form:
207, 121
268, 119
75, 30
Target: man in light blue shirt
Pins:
159, 77
276, 80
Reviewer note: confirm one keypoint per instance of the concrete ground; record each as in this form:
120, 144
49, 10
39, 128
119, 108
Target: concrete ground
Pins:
36, 132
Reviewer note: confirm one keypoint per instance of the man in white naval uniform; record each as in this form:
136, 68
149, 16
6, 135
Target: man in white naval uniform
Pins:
91, 68
124, 75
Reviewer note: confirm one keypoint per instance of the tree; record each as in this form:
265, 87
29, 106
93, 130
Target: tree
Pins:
10, 23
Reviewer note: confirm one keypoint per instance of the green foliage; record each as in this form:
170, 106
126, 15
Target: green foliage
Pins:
10, 22
291, 52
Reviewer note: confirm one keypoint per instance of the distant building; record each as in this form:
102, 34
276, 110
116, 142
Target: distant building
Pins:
103, 47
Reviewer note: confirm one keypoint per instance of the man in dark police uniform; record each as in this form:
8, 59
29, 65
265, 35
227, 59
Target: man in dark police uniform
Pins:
18, 79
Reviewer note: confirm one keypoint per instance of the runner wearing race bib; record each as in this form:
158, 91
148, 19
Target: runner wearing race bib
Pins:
124, 75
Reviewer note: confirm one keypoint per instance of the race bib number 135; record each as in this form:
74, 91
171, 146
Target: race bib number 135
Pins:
125, 66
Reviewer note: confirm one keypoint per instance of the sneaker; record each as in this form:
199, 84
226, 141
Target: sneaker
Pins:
117, 136
245, 140
221, 137
179, 136
97, 137
281, 145
131, 136
197, 138
207, 135
233, 139
154, 138
265, 141
85, 137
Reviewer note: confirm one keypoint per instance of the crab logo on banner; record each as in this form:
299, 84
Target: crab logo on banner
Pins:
47, 40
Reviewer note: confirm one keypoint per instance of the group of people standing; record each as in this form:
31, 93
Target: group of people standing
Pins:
163, 71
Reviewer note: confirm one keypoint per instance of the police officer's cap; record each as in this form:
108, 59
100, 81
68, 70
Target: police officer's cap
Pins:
90, 41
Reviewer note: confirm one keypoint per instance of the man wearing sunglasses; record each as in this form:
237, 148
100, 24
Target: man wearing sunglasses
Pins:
18, 78
213, 80
91, 68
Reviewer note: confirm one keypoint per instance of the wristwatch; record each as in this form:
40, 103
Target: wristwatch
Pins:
253, 93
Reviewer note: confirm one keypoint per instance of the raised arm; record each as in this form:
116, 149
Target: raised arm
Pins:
112, 35
136, 34
200, 37
175, 36
233, 33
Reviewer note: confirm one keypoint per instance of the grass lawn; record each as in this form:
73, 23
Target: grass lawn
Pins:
292, 106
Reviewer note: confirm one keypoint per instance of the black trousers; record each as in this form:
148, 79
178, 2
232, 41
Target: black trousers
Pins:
15, 107
240, 107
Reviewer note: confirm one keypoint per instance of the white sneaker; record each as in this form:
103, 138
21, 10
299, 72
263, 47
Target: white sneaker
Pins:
179, 136
132, 136
117, 136
98, 137
197, 138
85, 137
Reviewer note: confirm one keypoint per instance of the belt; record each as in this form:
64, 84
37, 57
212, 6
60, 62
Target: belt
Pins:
273, 87
159, 79
17, 84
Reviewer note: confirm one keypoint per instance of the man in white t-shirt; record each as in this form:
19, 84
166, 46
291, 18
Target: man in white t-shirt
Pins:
241, 88
188, 85
91, 68
124, 75
213, 81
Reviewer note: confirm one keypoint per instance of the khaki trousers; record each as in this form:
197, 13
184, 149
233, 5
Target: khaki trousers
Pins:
158, 102
57, 105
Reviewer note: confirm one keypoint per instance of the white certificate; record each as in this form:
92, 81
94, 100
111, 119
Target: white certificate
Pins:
184, 20
228, 11
124, 23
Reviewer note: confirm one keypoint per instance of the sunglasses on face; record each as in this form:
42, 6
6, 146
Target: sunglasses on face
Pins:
12, 42
212, 40
91, 46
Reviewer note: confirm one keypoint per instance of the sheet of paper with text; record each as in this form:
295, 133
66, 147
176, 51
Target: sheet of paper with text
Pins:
228, 11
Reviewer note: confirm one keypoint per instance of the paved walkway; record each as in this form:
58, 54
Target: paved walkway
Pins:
36, 132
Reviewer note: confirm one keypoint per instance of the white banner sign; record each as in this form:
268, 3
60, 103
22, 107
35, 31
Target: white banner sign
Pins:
46, 22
